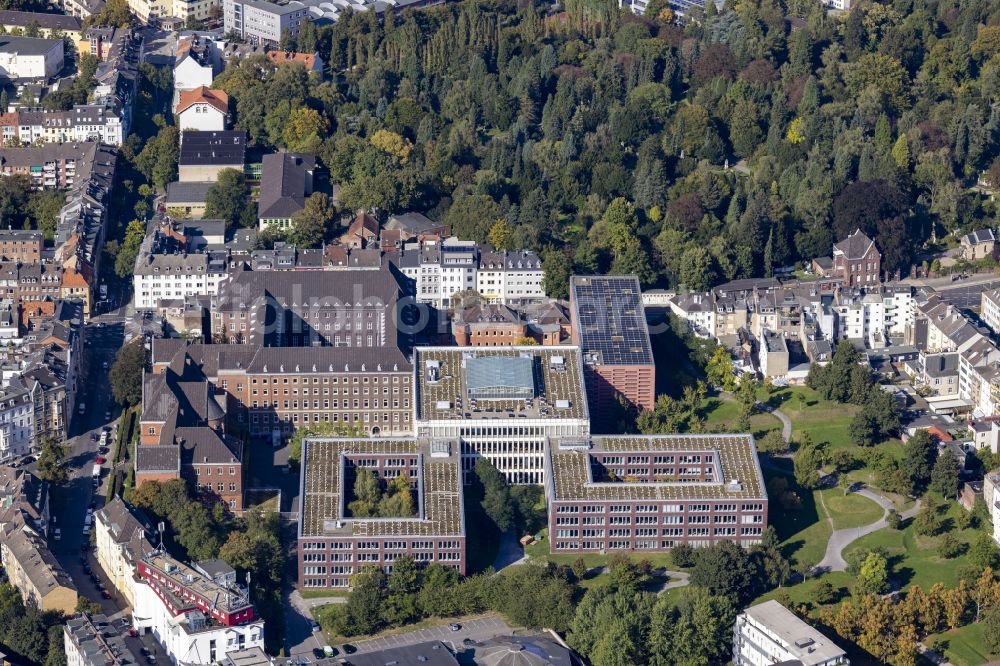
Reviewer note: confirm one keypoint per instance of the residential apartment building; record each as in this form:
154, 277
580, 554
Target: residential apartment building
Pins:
989, 309
30, 58
50, 166
196, 64
17, 422
92, 640
32, 568
442, 268
769, 633
510, 278
333, 544
263, 22
286, 181
106, 117
203, 109
122, 538
609, 326
21, 245
159, 277
653, 493
81, 9
198, 620
991, 495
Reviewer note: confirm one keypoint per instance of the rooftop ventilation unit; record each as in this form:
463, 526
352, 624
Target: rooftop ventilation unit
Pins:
442, 404
557, 363
433, 371
734, 486
440, 449
563, 404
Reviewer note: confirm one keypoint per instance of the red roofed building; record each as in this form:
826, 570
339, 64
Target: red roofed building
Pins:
203, 109
312, 61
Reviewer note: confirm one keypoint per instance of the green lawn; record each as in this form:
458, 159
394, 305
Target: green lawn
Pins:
914, 558
805, 592
323, 594
851, 510
824, 420
540, 550
805, 532
966, 646
721, 415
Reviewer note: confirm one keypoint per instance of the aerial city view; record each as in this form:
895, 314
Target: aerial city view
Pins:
499, 332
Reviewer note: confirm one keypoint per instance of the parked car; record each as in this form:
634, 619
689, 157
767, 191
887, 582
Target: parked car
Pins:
105, 594
100, 460
454, 626
315, 627
57, 534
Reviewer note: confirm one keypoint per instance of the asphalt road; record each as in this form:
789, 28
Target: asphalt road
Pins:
966, 297
69, 503
479, 629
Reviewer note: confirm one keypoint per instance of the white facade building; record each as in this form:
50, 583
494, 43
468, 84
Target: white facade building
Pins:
989, 309
176, 276
991, 495
189, 639
30, 58
444, 268
769, 633
121, 539
17, 423
510, 278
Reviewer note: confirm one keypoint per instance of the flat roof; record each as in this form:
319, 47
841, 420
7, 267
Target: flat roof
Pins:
801, 639
431, 653
438, 500
610, 320
27, 45
213, 148
443, 383
735, 457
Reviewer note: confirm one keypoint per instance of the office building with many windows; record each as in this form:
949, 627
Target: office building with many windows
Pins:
653, 492
333, 544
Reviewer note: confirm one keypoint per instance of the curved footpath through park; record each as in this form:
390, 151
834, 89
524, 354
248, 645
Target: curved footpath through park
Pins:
833, 560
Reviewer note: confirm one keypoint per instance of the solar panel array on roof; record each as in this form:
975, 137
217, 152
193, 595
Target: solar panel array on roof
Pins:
500, 377
611, 320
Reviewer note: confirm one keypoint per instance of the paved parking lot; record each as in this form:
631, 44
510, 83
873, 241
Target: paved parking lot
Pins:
478, 629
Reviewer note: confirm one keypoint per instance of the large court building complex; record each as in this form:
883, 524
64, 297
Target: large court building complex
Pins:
502, 404
334, 544
648, 493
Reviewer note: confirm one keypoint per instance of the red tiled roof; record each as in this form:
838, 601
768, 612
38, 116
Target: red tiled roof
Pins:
203, 94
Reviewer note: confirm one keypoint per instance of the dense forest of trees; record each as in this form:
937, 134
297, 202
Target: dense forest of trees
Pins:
601, 138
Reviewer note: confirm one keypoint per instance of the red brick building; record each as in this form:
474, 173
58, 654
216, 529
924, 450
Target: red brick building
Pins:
635, 493
857, 261
609, 326
183, 430
488, 325
21, 246
333, 545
